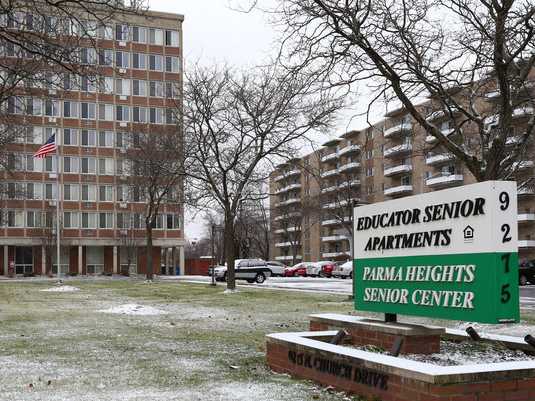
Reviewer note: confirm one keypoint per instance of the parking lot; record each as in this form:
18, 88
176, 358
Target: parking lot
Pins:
328, 285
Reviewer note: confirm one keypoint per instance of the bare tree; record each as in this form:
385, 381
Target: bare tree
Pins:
472, 58
130, 244
155, 170
235, 123
252, 230
49, 238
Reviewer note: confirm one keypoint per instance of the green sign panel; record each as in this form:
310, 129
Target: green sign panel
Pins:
449, 254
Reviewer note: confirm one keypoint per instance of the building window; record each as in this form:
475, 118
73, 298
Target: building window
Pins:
105, 57
51, 108
105, 85
89, 220
122, 113
88, 84
121, 32
369, 172
70, 109
172, 64
139, 61
156, 89
70, 219
139, 87
88, 193
105, 32
88, 165
105, 166
155, 36
122, 87
105, 193
50, 191
49, 164
171, 90
139, 114
70, 164
71, 192
33, 219
88, 138
105, 112
139, 34
105, 220
88, 56
88, 111
171, 38
155, 62
105, 139
122, 59
70, 137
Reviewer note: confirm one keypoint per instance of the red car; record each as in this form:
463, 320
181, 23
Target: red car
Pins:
324, 268
299, 269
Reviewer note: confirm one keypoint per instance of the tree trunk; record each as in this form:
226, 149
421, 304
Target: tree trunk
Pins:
150, 269
230, 250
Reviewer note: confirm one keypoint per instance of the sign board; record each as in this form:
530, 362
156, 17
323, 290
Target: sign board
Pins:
449, 254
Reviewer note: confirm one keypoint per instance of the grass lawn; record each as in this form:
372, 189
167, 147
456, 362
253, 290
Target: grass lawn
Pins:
207, 346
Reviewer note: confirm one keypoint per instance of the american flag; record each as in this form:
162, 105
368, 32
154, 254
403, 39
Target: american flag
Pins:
47, 148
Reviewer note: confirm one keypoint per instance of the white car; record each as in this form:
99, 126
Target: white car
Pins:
252, 270
277, 268
344, 270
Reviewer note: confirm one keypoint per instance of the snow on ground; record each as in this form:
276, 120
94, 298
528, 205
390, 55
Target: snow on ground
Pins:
133, 309
513, 329
62, 288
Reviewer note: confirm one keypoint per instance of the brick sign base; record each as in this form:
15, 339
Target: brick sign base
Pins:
375, 377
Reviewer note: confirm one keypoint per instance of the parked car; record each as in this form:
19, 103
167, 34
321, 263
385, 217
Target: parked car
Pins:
252, 270
344, 270
299, 269
277, 268
321, 269
526, 272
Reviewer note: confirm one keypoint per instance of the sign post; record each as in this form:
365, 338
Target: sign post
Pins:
449, 254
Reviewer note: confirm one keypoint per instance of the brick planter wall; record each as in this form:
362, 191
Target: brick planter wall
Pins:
375, 381
416, 339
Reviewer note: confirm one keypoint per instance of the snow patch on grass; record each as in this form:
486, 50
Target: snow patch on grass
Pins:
62, 288
133, 309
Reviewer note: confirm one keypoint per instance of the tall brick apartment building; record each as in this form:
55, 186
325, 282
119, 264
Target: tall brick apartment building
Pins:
140, 69
392, 159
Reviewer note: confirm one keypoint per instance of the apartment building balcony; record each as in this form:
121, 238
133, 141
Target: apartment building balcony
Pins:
522, 165
352, 183
329, 189
340, 203
440, 114
330, 156
289, 202
398, 149
334, 238
444, 180
526, 191
283, 244
513, 140
446, 132
330, 173
526, 217
523, 111
288, 257
287, 216
349, 149
433, 159
288, 188
397, 169
330, 222
398, 190
287, 230
351, 166
492, 95
401, 128
526, 243
336, 254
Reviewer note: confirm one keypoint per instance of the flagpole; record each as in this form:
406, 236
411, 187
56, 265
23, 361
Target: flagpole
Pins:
58, 195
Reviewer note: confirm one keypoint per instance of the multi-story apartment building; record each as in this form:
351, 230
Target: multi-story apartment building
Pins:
139, 81
391, 159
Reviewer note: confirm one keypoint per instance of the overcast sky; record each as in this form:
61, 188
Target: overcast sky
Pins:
214, 32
